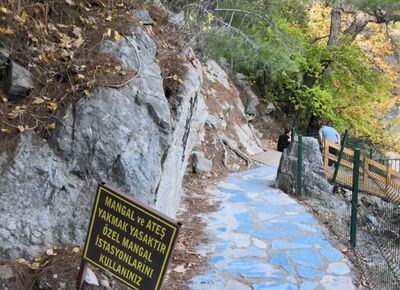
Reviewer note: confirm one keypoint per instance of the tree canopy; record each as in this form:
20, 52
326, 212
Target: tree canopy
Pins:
316, 60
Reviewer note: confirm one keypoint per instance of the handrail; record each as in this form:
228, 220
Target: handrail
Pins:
375, 178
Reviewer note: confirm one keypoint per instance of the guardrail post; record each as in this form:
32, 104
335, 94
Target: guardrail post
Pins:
326, 154
299, 181
342, 144
354, 198
365, 171
388, 177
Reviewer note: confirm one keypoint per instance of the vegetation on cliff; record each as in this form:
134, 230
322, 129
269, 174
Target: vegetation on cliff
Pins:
316, 60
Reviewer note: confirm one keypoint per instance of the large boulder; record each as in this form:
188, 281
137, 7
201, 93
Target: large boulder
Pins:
18, 81
315, 183
126, 137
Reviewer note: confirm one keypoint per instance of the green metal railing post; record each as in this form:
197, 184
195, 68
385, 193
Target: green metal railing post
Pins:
337, 165
299, 181
354, 197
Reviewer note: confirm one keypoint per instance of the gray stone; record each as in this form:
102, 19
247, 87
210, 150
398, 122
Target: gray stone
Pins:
201, 164
337, 282
270, 109
143, 16
250, 100
338, 268
315, 183
392, 235
4, 58
126, 137
236, 285
374, 222
18, 81
178, 19
6, 272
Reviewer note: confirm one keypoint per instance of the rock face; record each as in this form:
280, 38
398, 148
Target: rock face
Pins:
201, 164
250, 98
18, 81
127, 137
314, 180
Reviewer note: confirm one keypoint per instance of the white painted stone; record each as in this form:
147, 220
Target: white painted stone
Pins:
292, 279
253, 195
259, 244
236, 285
266, 216
229, 186
281, 199
330, 282
245, 253
338, 268
306, 228
291, 213
241, 240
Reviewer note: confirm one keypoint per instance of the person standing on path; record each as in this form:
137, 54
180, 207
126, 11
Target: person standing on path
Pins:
284, 140
329, 133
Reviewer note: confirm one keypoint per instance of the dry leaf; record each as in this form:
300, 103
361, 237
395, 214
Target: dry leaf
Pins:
80, 76
5, 130
37, 101
86, 92
180, 269
37, 259
108, 32
34, 266
77, 31
117, 36
21, 128
70, 2
77, 42
6, 31
52, 106
76, 250
51, 252
51, 126
108, 18
21, 261
5, 10
12, 115
22, 18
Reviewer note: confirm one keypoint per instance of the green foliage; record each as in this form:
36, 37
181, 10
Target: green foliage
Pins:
392, 6
305, 79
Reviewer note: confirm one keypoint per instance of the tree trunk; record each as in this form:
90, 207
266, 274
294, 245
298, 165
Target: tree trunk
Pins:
357, 25
336, 19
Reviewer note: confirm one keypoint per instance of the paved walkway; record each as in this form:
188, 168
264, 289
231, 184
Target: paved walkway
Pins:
263, 239
268, 157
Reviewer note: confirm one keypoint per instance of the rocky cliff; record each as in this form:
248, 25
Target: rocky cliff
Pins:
136, 138
127, 137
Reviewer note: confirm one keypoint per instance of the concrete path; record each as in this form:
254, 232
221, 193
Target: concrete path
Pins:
263, 239
268, 157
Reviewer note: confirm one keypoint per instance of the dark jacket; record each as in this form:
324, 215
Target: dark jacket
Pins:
283, 142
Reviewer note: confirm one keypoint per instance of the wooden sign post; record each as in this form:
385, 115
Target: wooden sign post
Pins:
129, 240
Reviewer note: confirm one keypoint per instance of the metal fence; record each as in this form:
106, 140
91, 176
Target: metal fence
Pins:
368, 224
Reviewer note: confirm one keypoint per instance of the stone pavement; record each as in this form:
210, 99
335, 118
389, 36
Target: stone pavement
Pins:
260, 238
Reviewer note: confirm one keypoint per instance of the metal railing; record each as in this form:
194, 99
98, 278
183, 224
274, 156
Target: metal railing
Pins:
370, 227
